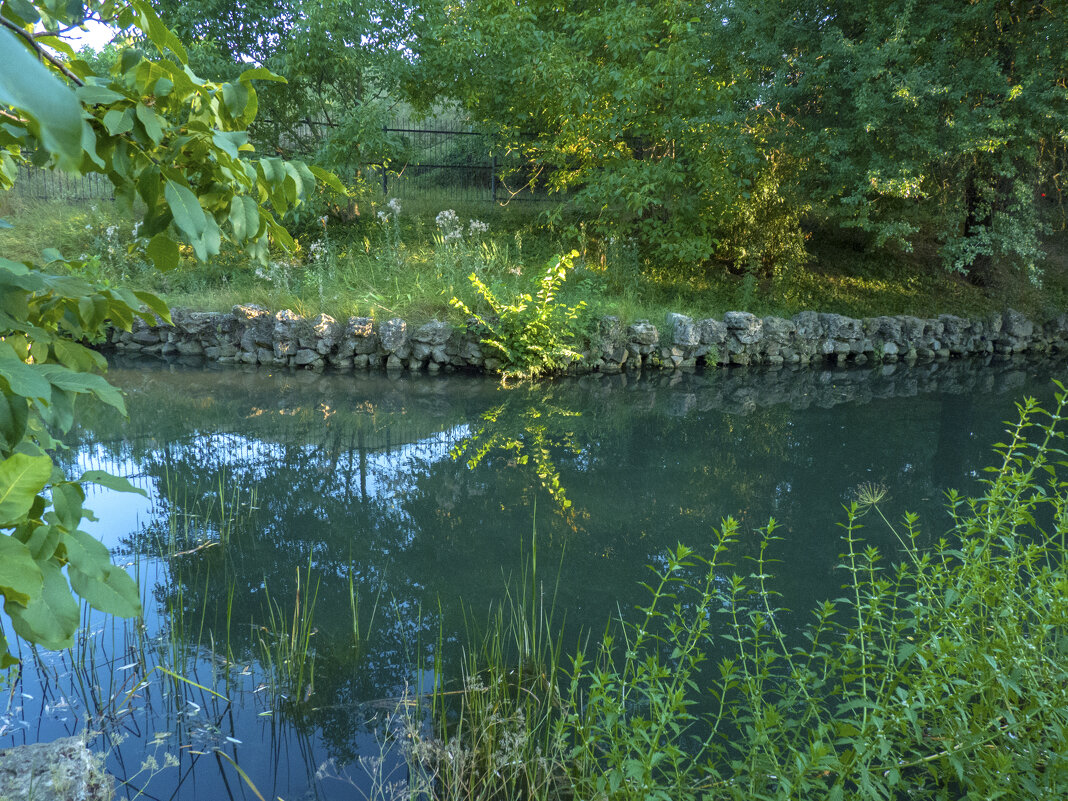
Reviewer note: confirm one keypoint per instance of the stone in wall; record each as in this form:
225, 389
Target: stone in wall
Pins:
713, 334
611, 349
642, 341
64, 770
393, 338
683, 340
1015, 334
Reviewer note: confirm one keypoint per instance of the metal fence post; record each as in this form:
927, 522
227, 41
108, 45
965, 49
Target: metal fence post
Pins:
385, 176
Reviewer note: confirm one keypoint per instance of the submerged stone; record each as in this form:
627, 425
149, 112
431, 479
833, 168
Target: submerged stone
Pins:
64, 770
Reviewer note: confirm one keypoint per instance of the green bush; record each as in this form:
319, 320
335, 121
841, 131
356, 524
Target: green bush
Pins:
943, 675
531, 334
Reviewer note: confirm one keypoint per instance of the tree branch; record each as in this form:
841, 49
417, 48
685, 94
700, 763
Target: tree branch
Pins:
42, 52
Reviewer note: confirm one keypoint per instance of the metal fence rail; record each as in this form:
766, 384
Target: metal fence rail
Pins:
446, 161
454, 161
35, 183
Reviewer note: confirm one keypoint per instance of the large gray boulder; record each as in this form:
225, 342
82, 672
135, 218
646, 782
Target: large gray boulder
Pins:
778, 330
745, 327
1015, 325
64, 770
434, 333
643, 333
393, 335
681, 331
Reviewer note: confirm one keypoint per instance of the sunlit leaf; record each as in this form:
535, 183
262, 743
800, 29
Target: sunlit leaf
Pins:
21, 478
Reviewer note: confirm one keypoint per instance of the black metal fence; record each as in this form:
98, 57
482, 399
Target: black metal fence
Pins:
445, 161
35, 183
441, 160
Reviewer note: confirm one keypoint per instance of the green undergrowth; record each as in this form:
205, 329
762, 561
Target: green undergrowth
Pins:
410, 259
940, 672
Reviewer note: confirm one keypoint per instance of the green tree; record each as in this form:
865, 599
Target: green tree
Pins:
629, 106
942, 120
175, 149
342, 60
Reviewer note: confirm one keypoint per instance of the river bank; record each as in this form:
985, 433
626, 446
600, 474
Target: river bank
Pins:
251, 334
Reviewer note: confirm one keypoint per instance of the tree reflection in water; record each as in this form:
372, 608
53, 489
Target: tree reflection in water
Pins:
418, 495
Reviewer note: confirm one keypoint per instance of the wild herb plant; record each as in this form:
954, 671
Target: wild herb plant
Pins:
530, 334
940, 674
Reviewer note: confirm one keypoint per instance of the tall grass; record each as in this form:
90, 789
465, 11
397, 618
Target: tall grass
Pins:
941, 672
403, 264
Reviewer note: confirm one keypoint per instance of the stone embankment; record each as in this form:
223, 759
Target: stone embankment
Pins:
253, 335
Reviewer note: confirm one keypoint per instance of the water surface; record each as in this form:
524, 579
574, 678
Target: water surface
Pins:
421, 497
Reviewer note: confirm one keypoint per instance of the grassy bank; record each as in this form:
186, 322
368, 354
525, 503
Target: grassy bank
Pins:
410, 259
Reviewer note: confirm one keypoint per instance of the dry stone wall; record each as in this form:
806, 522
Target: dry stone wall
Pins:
250, 334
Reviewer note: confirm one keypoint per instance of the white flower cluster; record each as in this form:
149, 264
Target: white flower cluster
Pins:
385, 217
452, 230
449, 225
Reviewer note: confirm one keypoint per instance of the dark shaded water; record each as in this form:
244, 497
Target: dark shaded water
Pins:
420, 496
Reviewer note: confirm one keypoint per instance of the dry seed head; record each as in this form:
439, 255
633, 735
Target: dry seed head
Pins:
870, 494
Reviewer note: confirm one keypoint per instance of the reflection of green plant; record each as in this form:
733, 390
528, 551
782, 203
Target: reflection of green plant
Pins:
524, 429
531, 333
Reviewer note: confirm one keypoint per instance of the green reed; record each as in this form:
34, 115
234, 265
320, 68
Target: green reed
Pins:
285, 641
943, 674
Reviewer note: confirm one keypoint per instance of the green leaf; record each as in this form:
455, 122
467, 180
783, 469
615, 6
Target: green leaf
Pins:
27, 85
22, 379
244, 217
118, 122
163, 251
188, 215
86, 553
59, 413
235, 96
13, 412
77, 357
21, 478
90, 94
155, 303
67, 500
20, 577
329, 179
260, 74
115, 592
42, 541
117, 483
51, 618
151, 122
6, 659
83, 383
23, 9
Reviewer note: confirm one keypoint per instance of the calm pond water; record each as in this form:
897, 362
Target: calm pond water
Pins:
404, 506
